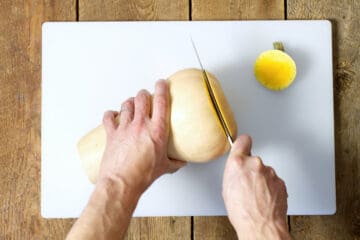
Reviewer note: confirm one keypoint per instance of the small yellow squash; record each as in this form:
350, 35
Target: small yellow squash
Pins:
275, 69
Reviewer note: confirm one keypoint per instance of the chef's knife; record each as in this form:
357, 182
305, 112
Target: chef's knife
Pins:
213, 98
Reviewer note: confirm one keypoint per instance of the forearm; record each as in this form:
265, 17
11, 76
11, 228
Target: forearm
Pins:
108, 212
270, 230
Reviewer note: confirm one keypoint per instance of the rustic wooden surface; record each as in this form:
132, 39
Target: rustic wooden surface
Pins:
345, 17
125, 10
237, 9
20, 96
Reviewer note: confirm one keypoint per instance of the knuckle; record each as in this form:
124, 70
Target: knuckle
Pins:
127, 103
271, 171
258, 164
159, 134
240, 159
237, 154
128, 106
142, 96
124, 107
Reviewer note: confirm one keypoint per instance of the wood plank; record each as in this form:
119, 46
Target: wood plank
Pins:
116, 10
345, 17
20, 96
98, 10
219, 227
177, 228
237, 9
213, 228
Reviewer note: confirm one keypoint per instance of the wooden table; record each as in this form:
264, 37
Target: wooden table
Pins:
20, 109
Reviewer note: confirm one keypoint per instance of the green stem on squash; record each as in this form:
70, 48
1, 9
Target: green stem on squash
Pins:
279, 46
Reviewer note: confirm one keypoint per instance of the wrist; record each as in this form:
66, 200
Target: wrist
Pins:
275, 231
118, 190
108, 212
113, 200
131, 181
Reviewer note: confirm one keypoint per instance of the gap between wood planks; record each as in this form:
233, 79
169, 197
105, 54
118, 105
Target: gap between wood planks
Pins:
77, 10
190, 10
192, 217
192, 228
285, 17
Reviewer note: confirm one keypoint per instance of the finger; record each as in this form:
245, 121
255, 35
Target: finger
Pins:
142, 106
241, 146
281, 182
255, 164
161, 105
271, 172
282, 185
127, 112
175, 165
109, 121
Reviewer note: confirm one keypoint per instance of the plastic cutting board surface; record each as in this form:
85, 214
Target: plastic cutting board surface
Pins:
91, 67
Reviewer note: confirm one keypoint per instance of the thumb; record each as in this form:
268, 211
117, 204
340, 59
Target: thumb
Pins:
241, 146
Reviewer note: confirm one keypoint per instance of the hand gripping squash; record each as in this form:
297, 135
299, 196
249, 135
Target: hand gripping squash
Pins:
196, 135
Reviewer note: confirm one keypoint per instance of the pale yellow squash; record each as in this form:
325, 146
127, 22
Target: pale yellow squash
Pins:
196, 134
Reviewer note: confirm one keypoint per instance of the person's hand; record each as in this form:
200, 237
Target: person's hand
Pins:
255, 197
136, 148
135, 155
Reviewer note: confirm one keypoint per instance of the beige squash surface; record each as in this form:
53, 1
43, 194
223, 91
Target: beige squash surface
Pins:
196, 134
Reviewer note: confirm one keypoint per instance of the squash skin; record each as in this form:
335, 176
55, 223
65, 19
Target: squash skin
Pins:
275, 70
195, 135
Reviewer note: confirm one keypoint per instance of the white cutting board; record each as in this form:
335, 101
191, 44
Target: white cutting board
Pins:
90, 67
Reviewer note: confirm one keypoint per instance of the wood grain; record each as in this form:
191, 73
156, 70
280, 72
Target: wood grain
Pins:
20, 96
211, 228
345, 17
125, 10
98, 10
177, 228
237, 9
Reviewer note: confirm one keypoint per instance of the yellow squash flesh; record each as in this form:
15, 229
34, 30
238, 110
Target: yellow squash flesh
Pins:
275, 69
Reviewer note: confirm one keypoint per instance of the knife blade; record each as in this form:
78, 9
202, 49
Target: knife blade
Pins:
212, 97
